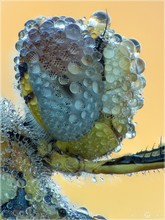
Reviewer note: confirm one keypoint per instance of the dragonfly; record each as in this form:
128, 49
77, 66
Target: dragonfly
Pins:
82, 84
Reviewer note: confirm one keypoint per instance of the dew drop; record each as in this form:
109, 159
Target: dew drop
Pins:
70, 20
75, 88
99, 217
63, 80
83, 210
129, 44
124, 50
29, 24
72, 118
74, 68
73, 31
83, 114
34, 35
138, 66
21, 34
87, 60
89, 42
108, 52
79, 105
124, 63
95, 87
137, 45
60, 24
18, 45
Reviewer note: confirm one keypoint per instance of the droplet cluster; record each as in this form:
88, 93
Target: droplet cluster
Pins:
124, 84
64, 74
123, 74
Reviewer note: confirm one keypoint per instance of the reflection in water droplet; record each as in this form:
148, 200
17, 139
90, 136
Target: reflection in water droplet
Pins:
83, 210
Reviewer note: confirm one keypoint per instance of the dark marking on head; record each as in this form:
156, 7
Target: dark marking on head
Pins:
22, 69
28, 97
101, 43
62, 212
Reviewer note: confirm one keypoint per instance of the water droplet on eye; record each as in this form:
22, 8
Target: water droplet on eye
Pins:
34, 34
124, 63
86, 95
46, 25
35, 68
95, 87
32, 57
83, 210
139, 83
88, 50
18, 45
63, 80
21, 34
72, 118
75, 88
55, 18
116, 71
124, 50
137, 66
137, 45
87, 60
92, 115
83, 114
29, 24
87, 82
16, 60
128, 44
89, 42
70, 20
73, 31
79, 105
126, 112
60, 24
74, 68
118, 37
116, 110
108, 52
99, 217
101, 17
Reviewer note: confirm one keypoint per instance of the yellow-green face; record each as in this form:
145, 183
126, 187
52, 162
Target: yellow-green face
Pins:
81, 81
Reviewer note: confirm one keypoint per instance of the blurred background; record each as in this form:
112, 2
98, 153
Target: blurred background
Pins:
140, 196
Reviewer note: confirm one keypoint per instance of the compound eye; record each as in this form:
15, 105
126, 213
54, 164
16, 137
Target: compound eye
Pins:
101, 17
